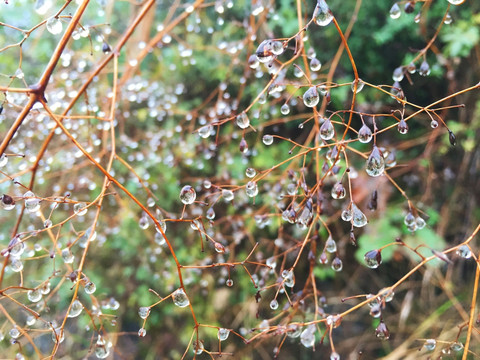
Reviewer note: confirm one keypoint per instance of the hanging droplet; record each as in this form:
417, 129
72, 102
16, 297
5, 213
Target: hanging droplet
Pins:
337, 264
398, 74
358, 217
19, 74
434, 124
409, 219
456, 2
267, 139
382, 331
205, 131
16, 265
456, 346
375, 163
180, 298
253, 62
365, 134
144, 312
395, 11
424, 68
430, 344
14, 332
58, 335
264, 52
142, 332
106, 49
242, 121
360, 85
7, 202
315, 64
47, 223
274, 304
323, 258
338, 191
3, 160
330, 245
223, 334
420, 222
251, 189
311, 97
143, 222
285, 109
76, 309
373, 258
32, 204
16, 247
307, 337
229, 282
227, 195
464, 251
188, 195
243, 146
80, 208
90, 288
250, 172
257, 7
54, 25
452, 138
34, 295
322, 14
448, 19
327, 131
277, 47
102, 349
67, 256
347, 215
402, 127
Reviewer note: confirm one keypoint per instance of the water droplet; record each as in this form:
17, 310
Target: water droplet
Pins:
311, 97
334, 356
229, 282
106, 49
143, 222
58, 335
102, 349
45, 288
223, 334
54, 25
409, 7
464, 251
347, 215
242, 121
142, 332
327, 131
315, 64
188, 195
398, 74
205, 131
32, 204
456, 346
330, 245
322, 14
14, 333
420, 223
80, 208
382, 331
90, 288
395, 11
34, 295
47, 223
424, 68
373, 258
338, 191
337, 264
19, 74
289, 277
274, 304
448, 19
144, 312
7, 202
456, 2
452, 138
307, 337
264, 52
76, 309
227, 195
323, 259
365, 134
67, 256
358, 217
253, 62
409, 219
285, 109
3, 160
277, 47
16, 265
434, 124
402, 127
251, 189
257, 7
267, 139
180, 298
430, 344
250, 172
375, 163
360, 85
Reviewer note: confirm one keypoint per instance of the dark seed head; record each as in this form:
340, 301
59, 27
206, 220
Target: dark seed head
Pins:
452, 138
